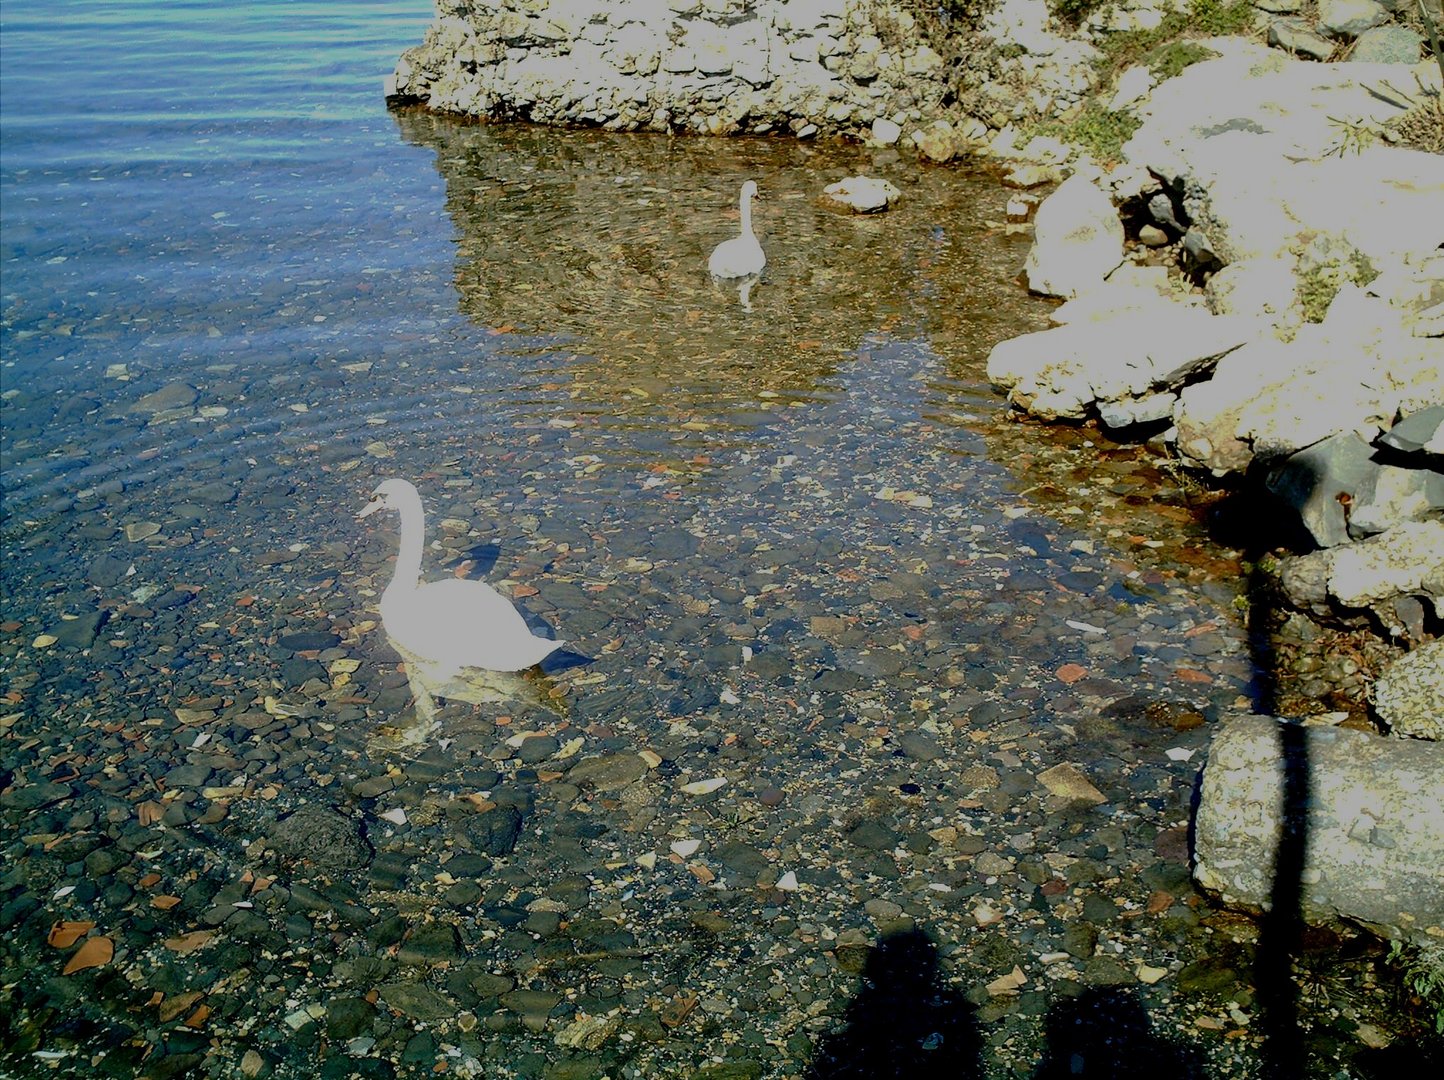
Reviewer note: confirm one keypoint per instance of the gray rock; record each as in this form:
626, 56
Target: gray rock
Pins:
1371, 575
1375, 834
22, 796
431, 943
1318, 482
79, 632
608, 772
1390, 496
1422, 430
1409, 693
322, 836
1064, 371
937, 143
494, 832
176, 395
107, 571
417, 1001
861, 194
920, 746
873, 835
537, 748
188, 776
1349, 18
1297, 36
1387, 45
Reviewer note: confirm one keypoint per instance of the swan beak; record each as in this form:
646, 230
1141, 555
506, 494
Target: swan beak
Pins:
371, 508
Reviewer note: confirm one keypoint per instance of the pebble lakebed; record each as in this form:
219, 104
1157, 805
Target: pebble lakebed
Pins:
856, 667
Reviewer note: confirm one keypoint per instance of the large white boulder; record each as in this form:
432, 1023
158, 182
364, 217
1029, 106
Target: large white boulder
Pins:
1077, 240
1065, 372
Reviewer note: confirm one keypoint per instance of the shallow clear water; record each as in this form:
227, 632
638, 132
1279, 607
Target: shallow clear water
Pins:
795, 548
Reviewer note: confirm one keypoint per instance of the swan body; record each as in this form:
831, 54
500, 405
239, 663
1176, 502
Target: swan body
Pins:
742, 256
447, 626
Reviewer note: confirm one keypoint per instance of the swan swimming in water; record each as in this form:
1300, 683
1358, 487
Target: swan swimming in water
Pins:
446, 629
742, 256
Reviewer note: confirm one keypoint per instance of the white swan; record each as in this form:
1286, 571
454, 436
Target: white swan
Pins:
742, 256
445, 627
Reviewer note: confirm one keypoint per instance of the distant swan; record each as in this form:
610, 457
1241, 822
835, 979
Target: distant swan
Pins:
445, 627
742, 256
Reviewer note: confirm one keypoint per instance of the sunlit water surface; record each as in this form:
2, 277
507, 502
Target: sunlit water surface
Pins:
795, 548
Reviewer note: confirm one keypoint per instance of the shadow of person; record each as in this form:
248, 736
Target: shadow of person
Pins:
1106, 1034
903, 1023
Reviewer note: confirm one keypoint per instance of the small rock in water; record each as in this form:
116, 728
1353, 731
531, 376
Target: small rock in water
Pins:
861, 194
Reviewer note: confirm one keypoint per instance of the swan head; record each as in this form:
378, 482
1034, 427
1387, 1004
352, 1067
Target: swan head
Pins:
390, 495
749, 190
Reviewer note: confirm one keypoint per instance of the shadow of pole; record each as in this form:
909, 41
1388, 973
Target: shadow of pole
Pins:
904, 1024
1281, 930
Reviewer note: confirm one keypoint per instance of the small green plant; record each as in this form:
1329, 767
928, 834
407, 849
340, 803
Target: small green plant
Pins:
1098, 130
1320, 283
1203, 17
1075, 12
1422, 970
1166, 61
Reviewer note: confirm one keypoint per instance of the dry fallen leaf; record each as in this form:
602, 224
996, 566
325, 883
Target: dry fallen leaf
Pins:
678, 1009
64, 934
189, 943
165, 903
176, 1004
1071, 673
96, 952
149, 812
1010, 983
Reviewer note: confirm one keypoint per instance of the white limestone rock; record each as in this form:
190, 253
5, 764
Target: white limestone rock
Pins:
1077, 240
1409, 693
1064, 372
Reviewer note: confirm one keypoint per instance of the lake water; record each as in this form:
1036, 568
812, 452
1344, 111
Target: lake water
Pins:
851, 658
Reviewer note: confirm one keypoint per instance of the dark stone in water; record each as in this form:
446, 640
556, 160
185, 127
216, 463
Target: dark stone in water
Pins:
873, 835
78, 633
172, 598
188, 776
34, 796
107, 571
296, 672
494, 832
348, 1017
305, 640
321, 836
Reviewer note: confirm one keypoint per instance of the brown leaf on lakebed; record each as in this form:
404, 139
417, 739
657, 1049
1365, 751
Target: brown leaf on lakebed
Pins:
189, 943
96, 952
149, 812
176, 1004
165, 903
64, 933
1071, 673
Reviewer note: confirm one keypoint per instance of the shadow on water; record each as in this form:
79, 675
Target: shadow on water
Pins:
903, 1023
1105, 1033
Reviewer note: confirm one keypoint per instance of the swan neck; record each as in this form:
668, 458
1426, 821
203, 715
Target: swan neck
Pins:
746, 214
407, 574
